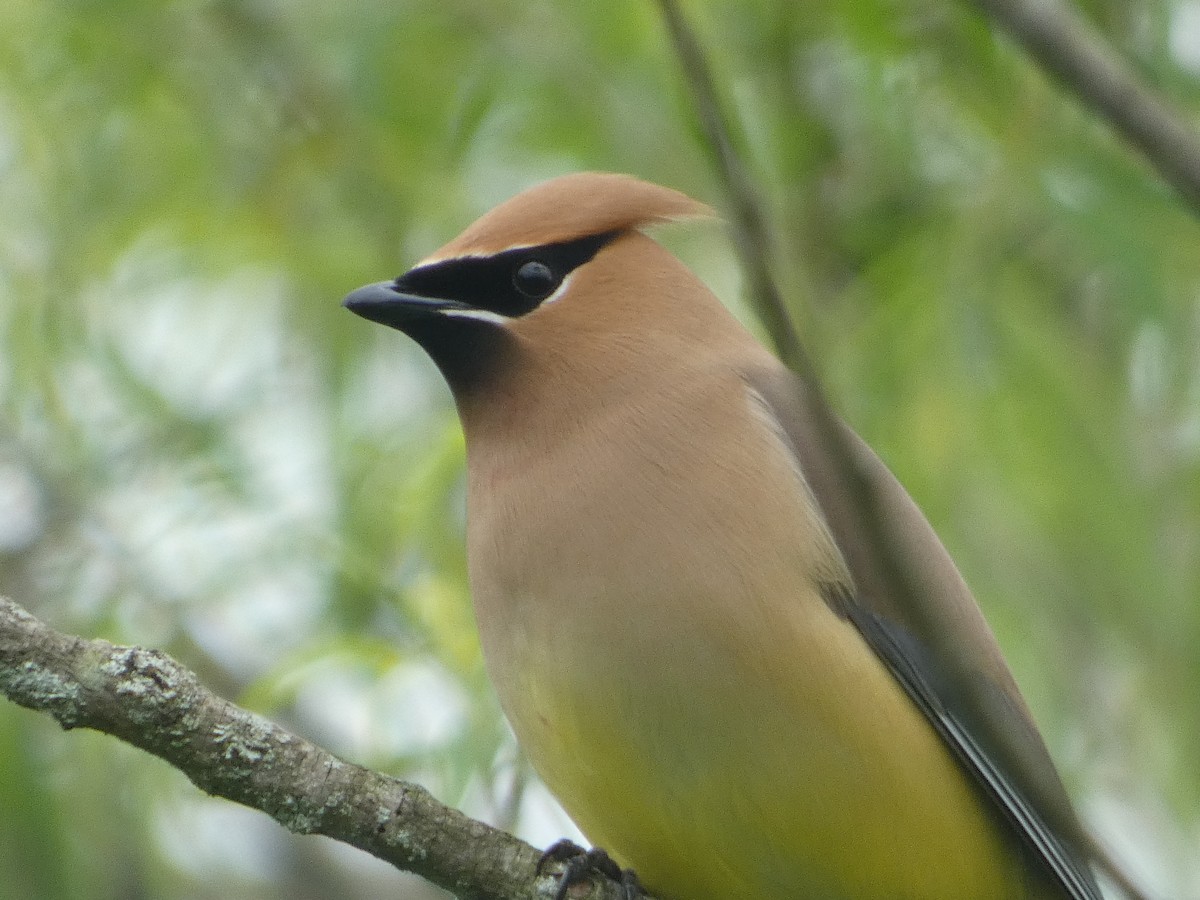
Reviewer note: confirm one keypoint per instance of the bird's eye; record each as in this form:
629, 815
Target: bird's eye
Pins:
535, 279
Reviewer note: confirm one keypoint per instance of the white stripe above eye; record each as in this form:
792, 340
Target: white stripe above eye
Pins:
435, 259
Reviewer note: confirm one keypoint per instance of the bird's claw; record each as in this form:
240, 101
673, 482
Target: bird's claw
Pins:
579, 865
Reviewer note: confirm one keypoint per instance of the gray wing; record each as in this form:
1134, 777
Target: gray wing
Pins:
914, 610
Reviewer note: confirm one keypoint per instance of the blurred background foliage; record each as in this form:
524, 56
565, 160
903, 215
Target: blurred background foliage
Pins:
201, 451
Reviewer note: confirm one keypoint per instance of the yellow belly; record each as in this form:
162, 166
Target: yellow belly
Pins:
777, 760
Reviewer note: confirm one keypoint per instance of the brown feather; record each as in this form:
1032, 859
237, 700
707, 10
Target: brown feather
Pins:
570, 207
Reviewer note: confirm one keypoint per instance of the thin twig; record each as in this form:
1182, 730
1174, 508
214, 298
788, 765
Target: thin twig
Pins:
880, 571
750, 229
1075, 52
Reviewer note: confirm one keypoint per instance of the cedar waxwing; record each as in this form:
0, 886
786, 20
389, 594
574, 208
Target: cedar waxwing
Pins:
670, 609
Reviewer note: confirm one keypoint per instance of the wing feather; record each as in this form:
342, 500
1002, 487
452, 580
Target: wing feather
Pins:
930, 633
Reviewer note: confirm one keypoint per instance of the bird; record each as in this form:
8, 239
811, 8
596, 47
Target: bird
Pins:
678, 615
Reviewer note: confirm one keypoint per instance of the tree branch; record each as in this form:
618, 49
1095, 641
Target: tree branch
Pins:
1066, 45
149, 700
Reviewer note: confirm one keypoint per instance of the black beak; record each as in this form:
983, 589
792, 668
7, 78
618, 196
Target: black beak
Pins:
384, 304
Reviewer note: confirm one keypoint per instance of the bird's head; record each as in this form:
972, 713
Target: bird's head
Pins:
558, 263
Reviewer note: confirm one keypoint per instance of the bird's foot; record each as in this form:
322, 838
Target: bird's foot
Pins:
580, 865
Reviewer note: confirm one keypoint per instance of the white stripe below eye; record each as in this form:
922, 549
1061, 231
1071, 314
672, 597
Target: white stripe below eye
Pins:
480, 315
560, 290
